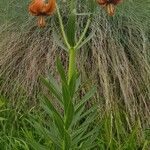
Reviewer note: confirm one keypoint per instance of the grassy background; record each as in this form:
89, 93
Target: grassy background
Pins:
116, 59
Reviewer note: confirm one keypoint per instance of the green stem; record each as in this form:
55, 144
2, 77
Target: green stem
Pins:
62, 28
72, 65
63, 146
84, 32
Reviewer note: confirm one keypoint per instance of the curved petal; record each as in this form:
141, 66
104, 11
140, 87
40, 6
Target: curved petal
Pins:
50, 7
36, 7
102, 2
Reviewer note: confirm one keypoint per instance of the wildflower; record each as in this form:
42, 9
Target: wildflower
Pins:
109, 5
41, 9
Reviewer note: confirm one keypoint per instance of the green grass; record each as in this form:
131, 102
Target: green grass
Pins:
116, 59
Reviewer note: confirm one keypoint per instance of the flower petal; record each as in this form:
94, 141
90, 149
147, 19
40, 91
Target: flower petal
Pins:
102, 2
50, 7
36, 7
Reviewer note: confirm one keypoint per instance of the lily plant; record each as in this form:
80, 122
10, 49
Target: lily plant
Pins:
72, 126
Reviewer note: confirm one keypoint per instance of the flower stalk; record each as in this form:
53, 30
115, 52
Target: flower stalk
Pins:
84, 32
72, 63
62, 28
72, 50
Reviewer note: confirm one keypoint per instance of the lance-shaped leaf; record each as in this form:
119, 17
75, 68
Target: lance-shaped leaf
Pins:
67, 140
85, 41
81, 133
41, 130
86, 97
66, 96
90, 115
46, 104
59, 123
61, 71
52, 88
59, 41
68, 105
69, 115
72, 85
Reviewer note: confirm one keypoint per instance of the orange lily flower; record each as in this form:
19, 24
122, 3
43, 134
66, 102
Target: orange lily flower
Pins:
41, 9
109, 5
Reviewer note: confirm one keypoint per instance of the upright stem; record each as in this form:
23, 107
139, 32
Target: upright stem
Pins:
72, 65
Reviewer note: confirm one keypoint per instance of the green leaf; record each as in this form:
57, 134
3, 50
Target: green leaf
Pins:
145, 145
72, 85
94, 132
1, 103
66, 96
89, 117
52, 88
71, 28
36, 146
45, 102
2, 119
78, 83
69, 115
86, 97
130, 140
68, 105
59, 41
61, 71
42, 131
84, 136
77, 115
54, 137
77, 137
89, 140
88, 145
67, 140
85, 41
59, 123
92, 111
51, 79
